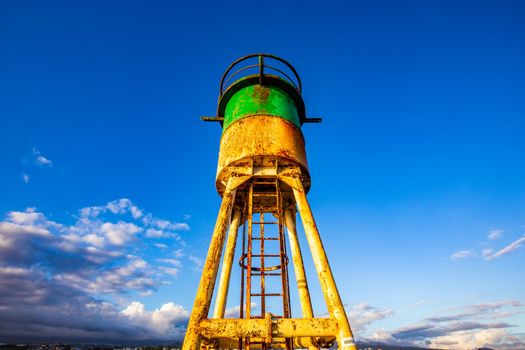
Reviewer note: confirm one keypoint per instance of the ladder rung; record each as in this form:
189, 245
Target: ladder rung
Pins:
265, 194
266, 295
266, 223
266, 255
267, 274
266, 238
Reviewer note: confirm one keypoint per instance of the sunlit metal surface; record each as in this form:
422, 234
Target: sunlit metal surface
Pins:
263, 179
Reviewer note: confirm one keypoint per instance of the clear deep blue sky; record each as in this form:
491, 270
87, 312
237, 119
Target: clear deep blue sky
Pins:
420, 156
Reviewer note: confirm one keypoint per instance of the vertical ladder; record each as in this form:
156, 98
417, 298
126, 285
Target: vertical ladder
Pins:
264, 201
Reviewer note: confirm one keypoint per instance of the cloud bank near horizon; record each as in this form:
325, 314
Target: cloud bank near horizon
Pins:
72, 281
468, 327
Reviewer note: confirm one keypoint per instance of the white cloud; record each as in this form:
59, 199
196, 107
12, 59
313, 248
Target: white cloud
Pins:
24, 177
460, 330
87, 238
120, 233
40, 159
489, 254
164, 322
490, 338
154, 227
135, 212
418, 304
178, 253
173, 271
382, 336
495, 234
28, 222
489, 307
94, 239
462, 254
198, 263
29, 216
122, 206
362, 315
153, 233
235, 312
119, 206
173, 262
161, 224
91, 229
134, 275
14, 271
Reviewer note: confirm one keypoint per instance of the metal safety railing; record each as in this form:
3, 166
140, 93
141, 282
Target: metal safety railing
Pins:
266, 64
260, 66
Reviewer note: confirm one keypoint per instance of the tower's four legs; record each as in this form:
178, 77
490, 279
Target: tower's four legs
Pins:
307, 332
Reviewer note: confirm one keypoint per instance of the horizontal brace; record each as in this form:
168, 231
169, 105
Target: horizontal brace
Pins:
312, 120
277, 343
212, 119
286, 327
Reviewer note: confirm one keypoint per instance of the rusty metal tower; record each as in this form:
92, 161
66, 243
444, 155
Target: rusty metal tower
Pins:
263, 179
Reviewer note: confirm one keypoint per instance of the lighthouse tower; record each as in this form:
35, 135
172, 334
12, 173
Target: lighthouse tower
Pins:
263, 178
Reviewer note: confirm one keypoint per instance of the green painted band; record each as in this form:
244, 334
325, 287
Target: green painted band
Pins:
260, 100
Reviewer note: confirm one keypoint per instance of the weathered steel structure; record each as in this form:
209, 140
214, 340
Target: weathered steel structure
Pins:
263, 179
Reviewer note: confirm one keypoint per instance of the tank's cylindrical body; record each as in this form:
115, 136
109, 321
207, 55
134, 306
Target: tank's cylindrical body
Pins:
261, 122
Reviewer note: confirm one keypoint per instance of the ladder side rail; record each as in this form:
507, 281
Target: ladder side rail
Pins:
262, 275
284, 259
249, 261
241, 303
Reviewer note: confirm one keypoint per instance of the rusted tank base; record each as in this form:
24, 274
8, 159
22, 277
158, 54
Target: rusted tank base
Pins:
262, 166
257, 138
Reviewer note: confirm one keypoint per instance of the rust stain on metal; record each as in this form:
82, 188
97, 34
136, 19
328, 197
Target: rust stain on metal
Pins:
261, 94
257, 136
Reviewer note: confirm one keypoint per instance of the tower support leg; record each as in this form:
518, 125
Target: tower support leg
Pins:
202, 302
300, 275
224, 279
345, 338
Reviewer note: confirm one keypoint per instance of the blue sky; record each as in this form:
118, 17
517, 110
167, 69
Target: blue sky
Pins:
107, 183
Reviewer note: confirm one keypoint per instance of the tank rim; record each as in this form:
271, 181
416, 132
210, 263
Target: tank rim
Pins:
268, 80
